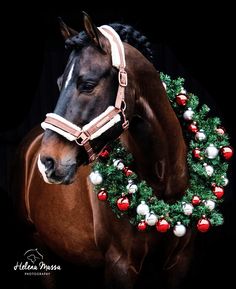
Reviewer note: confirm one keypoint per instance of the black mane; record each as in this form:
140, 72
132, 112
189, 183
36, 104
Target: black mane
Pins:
127, 34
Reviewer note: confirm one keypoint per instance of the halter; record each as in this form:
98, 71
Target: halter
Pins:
109, 117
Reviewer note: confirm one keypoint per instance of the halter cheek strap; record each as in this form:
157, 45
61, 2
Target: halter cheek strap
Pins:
109, 117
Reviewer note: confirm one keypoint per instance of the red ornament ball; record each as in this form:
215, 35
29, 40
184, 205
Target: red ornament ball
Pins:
217, 191
196, 200
196, 153
127, 171
104, 154
142, 226
123, 204
181, 99
162, 226
193, 127
226, 152
203, 225
102, 195
220, 130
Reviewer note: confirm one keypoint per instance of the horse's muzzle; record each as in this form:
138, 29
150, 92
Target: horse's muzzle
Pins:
55, 173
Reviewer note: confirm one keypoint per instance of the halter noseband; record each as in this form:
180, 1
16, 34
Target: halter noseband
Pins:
109, 117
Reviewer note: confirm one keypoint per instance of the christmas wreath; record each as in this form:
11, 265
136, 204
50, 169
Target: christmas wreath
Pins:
208, 153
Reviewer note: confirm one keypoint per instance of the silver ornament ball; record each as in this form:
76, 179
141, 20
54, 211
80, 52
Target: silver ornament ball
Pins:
118, 164
209, 170
200, 135
187, 209
183, 91
142, 209
210, 204
225, 180
132, 188
179, 230
188, 114
151, 219
211, 152
95, 178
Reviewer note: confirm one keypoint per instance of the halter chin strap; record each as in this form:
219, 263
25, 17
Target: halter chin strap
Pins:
109, 117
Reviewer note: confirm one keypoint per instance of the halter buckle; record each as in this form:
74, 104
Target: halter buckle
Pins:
123, 80
85, 136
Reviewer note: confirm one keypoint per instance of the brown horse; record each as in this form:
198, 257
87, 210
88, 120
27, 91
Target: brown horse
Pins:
61, 204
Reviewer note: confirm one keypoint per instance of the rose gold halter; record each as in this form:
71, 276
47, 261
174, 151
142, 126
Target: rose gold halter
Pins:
109, 117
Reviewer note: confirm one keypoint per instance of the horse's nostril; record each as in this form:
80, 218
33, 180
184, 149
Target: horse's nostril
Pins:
49, 163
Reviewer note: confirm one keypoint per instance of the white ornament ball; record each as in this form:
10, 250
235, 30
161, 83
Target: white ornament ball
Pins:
115, 162
209, 170
179, 230
188, 209
130, 182
211, 152
132, 188
210, 204
142, 209
151, 219
95, 178
200, 135
118, 164
225, 180
183, 91
188, 114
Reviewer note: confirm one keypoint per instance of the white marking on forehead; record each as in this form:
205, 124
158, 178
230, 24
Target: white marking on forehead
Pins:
69, 75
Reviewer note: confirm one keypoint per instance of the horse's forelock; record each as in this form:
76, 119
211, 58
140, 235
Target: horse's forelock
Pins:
77, 41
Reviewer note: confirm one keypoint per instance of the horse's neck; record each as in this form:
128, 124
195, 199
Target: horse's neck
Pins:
155, 140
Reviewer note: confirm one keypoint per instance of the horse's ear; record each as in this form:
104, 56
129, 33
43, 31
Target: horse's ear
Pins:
66, 31
93, 32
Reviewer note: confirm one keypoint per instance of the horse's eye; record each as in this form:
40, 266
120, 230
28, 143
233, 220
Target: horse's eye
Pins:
87, 86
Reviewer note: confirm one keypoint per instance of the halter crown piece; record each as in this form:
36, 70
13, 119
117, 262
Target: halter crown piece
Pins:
109, 117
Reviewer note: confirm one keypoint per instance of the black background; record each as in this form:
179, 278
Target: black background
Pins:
193, 41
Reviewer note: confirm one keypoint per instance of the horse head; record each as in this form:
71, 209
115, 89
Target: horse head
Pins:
96, 106
88, 88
